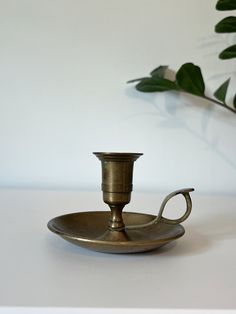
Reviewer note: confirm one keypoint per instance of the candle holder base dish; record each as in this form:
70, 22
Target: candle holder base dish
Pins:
89, 230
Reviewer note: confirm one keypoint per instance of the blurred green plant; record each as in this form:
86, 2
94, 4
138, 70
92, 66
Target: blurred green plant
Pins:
189, 77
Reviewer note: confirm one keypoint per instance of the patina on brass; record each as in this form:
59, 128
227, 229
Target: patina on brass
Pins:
86, 229
118, 232
117, 179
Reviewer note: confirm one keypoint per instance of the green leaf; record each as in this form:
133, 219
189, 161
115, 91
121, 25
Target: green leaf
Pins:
160, 71
156, 84
228, 53
221, 92
189, 78
137, 80
227, 25
234, 101
223, 5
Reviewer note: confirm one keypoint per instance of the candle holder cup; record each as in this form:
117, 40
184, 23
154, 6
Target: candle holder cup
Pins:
117, 184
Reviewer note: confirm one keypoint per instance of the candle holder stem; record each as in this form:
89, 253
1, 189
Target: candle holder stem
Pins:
116, 220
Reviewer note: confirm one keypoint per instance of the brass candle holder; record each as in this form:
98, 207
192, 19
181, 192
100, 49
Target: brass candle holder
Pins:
120, 232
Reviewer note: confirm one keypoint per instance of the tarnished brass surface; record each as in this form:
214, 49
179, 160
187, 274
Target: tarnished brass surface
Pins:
114, 232
89, 230
117, 178
159, 218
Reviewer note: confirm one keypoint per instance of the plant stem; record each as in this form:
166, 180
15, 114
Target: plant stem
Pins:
213, 100
219, 103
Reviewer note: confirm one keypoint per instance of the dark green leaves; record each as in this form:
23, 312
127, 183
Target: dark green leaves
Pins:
156, 84
137, 80
189, 78
223, 5
156, 73
228, 53
234, 101
160, 71
221, 92
227, 25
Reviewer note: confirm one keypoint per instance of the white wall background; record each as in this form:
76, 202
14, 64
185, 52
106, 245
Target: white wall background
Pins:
63, 94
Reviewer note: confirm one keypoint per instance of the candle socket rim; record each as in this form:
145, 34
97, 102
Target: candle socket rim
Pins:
117, 156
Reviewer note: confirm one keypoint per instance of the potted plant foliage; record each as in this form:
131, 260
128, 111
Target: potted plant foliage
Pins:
188, 78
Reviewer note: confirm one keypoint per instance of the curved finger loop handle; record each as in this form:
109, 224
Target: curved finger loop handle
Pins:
160, 218
185, 193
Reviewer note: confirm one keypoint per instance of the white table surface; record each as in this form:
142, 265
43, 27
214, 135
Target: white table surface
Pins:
42, 273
